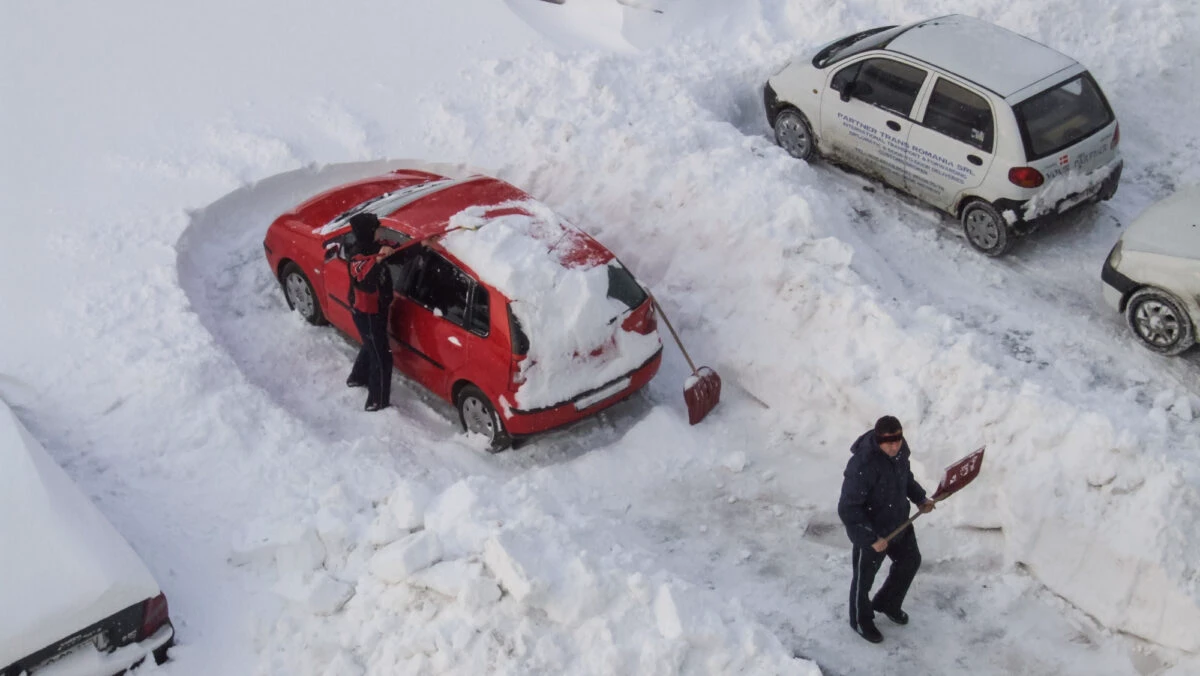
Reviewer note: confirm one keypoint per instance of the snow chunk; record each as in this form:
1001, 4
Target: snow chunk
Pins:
735, 462
408, 503
399, 560
327, 595
507, 557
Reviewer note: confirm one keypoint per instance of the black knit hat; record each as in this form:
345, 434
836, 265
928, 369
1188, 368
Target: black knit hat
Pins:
364, 224
888, 429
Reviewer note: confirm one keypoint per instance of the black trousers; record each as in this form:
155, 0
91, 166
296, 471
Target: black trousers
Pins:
906, 559
373, 365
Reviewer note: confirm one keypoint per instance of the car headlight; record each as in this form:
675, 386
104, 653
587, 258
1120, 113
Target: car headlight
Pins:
1114, 257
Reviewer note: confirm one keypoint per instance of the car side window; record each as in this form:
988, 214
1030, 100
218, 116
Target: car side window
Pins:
960, 114
440, 286
404, 266
889, 84
479, 318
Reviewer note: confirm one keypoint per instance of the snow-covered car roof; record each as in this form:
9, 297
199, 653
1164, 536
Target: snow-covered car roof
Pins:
65, 566
1170, 227
991, 56
558, 279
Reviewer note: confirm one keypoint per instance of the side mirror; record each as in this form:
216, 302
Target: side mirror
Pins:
332, 250
847, 91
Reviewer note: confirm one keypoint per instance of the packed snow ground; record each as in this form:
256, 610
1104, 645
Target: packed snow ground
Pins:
146, 148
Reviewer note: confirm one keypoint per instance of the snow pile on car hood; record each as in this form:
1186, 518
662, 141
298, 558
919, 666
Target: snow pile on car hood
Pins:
65, 566
557, 280
413, 581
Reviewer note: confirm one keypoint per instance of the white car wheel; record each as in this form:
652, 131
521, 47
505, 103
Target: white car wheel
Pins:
986, 229
793, 134
1160, 321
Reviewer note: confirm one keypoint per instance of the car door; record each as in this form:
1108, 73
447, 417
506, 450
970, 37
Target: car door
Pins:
950, 151
865, 112
336, 275
439, 319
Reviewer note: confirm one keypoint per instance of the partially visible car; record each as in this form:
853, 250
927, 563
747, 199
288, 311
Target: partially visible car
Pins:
516, 317
1152, 274
74, 596
988, 126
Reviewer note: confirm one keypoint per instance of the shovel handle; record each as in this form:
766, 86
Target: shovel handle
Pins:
906, 524
673, 334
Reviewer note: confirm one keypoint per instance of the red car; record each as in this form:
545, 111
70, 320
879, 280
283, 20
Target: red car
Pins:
516, 317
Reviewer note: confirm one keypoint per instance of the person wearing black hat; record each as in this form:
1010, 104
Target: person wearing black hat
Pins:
876, 488
370, 298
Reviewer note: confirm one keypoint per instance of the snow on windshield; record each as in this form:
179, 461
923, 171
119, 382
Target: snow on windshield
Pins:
562, 300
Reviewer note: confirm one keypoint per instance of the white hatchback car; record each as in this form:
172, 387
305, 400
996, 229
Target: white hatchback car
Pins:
74, 597
984, 124
1153, 273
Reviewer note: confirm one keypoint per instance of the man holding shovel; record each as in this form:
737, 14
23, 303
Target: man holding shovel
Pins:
876, 489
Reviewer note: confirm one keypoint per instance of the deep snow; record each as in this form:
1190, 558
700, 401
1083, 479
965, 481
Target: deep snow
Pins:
147, 146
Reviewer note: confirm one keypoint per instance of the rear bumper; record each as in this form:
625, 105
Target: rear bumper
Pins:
519, 422
79, 653
1027, 215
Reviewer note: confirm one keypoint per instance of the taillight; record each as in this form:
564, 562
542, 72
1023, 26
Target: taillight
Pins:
641, 320
1026, 177
1116, 137
154, 616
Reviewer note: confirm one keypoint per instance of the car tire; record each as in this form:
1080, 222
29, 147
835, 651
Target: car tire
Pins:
299, 293
794, 134
477, 415
1160, 321
986, 230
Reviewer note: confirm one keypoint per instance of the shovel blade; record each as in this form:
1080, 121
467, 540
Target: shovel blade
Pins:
701, 392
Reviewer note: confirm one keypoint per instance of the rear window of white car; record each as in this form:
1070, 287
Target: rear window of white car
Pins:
1062, 116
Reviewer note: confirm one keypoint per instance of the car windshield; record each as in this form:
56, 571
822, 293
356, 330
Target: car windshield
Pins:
850, 45
623, 287
1062, 116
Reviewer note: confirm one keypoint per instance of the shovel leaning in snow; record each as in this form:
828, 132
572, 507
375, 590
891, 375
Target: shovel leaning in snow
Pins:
702, 389
957, 476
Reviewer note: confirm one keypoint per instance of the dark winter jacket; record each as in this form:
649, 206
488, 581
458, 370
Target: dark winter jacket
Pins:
876, 491
370, 281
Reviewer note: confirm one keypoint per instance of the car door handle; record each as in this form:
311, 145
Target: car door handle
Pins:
893, 125
975, 159
454, 341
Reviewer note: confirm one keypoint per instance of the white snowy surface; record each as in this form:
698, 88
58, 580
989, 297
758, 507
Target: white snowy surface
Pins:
147, 146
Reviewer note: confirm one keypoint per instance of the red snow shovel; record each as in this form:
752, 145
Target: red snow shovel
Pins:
957, 476
702, 390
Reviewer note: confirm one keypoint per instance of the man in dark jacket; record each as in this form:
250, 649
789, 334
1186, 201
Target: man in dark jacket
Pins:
370, 298
876, 489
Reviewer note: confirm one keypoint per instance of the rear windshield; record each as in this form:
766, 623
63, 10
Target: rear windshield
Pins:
623, 287
858, 43
1062, 116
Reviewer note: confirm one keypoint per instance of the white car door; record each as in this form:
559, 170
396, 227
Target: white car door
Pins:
865, 111
950, 151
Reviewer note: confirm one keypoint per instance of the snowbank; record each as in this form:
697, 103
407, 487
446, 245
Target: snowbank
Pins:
496, 580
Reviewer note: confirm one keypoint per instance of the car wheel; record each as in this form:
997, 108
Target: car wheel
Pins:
986, 229
478, 416
794, 134
1160, 321
300, 295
